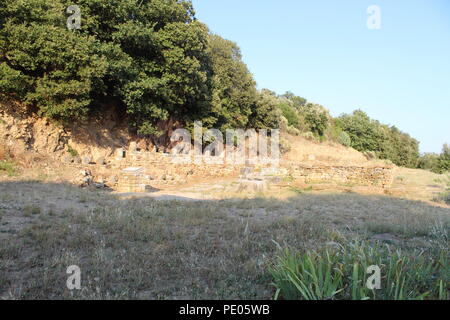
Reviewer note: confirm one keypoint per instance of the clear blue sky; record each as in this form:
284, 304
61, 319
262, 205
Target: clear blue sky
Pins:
322, 50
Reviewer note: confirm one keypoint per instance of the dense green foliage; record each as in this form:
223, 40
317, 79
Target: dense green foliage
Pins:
153, 58
438, 163
316, 117
387, 142
444, 160
290, 114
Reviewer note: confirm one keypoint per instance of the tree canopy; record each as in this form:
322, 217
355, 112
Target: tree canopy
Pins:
153, 58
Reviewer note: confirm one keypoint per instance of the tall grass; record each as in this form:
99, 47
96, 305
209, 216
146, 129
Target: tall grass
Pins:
341, 273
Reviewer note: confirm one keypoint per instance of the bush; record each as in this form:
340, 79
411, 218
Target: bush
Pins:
437, 163
368, 135
293, 131
72, 151
344, 139
370, 155
285, 146
290, 114
316, 118
341, 273
429, 161
308, 136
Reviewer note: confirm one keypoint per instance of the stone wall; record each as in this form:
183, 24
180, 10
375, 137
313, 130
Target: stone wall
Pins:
134, 171
361, 175
159, 170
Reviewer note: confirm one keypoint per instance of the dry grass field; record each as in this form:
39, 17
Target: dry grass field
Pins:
218, 245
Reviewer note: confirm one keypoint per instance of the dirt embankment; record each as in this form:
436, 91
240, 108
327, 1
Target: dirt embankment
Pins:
24, 131
99, 137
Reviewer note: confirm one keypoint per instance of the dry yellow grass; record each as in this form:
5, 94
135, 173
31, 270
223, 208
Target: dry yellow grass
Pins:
305, 151
418, 184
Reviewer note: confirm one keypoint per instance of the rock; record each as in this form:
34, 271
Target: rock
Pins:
101, 161
252, 185
84, 178
86, 160
167, 177
132, 148
142, 145
113, 179
120, 153
68, 159
246, 171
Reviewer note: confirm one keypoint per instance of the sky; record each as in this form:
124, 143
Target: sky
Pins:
324, 51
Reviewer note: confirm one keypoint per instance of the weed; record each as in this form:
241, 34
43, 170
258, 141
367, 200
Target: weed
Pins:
8, 167
72, 151
31, 210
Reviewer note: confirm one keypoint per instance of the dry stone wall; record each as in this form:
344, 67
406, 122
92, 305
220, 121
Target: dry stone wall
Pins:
139, 171
381, 176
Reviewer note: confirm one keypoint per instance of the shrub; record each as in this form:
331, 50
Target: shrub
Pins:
387, 142
370, 155
308, 136
316, 118
293, 131
31, 210
72, 151
437, 163
429, 161
344, 139
285, 146
290, 114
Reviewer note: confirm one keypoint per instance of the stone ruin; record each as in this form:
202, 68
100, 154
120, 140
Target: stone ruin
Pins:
139, 171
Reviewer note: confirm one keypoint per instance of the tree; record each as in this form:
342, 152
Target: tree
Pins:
443, 163
297, 101
317, 118
368, 135
152, 56
290, 114
265, 114
234, 90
